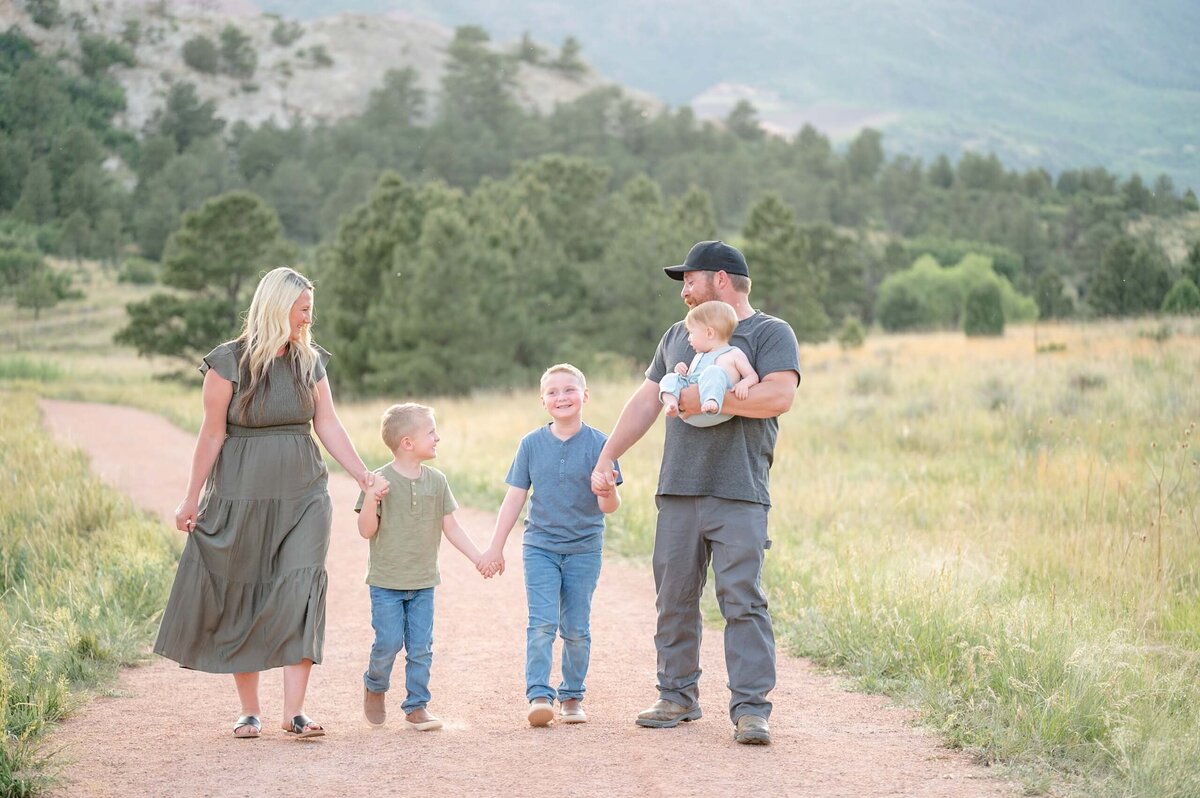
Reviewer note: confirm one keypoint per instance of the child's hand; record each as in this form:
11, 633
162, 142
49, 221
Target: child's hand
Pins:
379, 489
603, 482
491, 563
741, 390
681, 368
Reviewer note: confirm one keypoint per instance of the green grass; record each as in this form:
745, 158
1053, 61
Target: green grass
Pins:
83, 578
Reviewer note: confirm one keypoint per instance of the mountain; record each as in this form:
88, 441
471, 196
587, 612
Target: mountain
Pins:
1051, 83
315, 70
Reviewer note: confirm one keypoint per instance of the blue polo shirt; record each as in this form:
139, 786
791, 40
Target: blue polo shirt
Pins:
564, 516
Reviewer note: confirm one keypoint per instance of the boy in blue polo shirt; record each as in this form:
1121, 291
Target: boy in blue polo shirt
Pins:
564, 533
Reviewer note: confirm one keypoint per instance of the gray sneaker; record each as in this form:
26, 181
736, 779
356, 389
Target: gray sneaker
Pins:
752, 730
667, 715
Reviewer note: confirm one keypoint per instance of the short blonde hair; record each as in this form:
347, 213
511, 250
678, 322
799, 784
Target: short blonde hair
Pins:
401, 420
716, 314
563, 368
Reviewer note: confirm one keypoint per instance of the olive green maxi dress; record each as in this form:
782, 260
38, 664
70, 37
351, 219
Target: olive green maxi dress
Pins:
250, 590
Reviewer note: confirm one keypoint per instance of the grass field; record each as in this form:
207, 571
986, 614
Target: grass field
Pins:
1003, 533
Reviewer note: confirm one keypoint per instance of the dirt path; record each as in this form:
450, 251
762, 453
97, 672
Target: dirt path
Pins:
167, 731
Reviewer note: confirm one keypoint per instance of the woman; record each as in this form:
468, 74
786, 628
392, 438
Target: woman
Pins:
250, 590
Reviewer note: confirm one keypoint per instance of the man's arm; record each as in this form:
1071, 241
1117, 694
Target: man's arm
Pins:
771, 397
636, 419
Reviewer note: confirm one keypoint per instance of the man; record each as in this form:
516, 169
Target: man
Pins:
713, 500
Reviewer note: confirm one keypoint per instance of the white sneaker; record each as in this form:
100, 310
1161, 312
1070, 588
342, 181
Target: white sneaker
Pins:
541, 712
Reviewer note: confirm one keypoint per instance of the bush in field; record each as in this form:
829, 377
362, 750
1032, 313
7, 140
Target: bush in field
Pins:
983, 311
852, 335
928, 296
1183, 299
138, 271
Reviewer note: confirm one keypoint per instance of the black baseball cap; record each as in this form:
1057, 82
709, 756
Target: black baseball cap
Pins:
711, 256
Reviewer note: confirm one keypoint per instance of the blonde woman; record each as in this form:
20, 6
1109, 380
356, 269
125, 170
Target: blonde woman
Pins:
249, 594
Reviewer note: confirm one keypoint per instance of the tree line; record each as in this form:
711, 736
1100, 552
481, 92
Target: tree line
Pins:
574, 208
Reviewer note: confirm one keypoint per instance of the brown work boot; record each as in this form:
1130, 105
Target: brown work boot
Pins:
374, 707
752, 730
667, 715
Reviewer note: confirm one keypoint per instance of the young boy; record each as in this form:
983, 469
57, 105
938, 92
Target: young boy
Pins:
717, 368
564, 533
405, 525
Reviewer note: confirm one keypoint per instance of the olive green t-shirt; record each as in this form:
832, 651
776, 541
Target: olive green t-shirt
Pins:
404, 552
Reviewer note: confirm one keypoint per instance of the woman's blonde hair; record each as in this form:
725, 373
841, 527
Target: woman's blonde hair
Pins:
716, 314
268, 329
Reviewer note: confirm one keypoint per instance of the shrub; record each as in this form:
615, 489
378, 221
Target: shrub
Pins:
45, 13
928, 295
320, 56
852, 335
138, 271
983, 311
285, 33
202, 55
1183, 299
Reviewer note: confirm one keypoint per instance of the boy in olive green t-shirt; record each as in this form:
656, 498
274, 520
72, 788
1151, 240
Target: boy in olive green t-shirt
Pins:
410, 516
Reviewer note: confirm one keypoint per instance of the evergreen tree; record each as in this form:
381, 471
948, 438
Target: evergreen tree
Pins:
568, 60
787, 282
865, 156
743, 122
215, 256
237, 53
185, 118
37, 205
1132, 279
529, 51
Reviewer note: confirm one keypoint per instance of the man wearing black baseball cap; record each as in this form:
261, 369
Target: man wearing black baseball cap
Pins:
713, 500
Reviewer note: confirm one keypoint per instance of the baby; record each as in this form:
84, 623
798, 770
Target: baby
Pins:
718, 367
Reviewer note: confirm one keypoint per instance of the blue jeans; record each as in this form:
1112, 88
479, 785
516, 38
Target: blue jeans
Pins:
403, 619
559, 589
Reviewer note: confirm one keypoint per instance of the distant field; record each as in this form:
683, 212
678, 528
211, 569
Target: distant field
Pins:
1004, 533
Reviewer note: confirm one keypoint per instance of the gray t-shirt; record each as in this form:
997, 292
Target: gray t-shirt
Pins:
731, 460
564, 515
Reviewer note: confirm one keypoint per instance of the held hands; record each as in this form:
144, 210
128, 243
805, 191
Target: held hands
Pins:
604, 479
185, 515
374, 486
491, 563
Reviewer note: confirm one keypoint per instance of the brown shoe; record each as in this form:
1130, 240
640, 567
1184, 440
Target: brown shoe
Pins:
374, 707
752, 730
667, 715
571, 711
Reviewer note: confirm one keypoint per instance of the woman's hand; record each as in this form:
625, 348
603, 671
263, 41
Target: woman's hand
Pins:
371, 483
185, 515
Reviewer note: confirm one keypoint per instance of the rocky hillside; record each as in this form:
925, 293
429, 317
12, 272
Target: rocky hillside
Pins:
314, 71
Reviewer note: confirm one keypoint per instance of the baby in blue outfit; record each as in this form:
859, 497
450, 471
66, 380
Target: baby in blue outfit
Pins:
717, 368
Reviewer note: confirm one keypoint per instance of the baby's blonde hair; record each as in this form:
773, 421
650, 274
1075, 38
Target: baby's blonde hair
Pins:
402, 420
563, 368
716, 314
